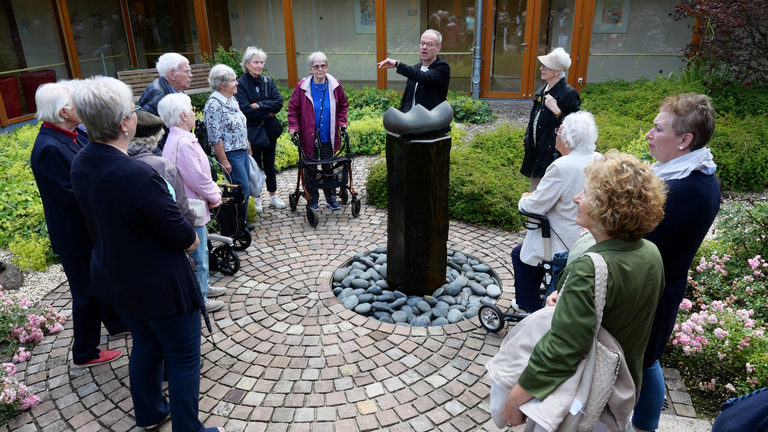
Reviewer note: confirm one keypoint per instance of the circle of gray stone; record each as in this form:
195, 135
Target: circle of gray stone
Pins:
361, 285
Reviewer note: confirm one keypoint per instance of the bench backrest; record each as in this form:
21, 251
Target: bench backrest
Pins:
141, 78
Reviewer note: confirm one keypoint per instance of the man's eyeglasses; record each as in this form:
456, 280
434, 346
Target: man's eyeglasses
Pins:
320, 66
185, 71
135, 109
427, 44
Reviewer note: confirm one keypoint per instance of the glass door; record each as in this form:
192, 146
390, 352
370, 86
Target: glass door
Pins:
509, 48
555, 30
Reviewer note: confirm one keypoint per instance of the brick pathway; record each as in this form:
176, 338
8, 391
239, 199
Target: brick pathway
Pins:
288, 356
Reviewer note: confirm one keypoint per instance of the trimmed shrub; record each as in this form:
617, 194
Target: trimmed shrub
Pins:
286, 153
367, 136
467, 109
376, 183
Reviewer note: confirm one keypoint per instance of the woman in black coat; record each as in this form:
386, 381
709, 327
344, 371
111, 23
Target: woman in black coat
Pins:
553, 102
260, 100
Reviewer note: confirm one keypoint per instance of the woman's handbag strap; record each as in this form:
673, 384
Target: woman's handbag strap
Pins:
601, 286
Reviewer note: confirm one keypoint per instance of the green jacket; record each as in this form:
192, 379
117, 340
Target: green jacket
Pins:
635, 284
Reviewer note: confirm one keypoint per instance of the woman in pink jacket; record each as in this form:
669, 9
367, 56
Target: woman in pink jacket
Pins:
182, 148
318, 104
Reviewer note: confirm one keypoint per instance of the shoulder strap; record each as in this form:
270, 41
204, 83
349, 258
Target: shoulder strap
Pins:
176, 153
601, 286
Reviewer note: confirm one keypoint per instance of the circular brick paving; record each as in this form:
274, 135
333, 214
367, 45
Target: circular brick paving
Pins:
286, 355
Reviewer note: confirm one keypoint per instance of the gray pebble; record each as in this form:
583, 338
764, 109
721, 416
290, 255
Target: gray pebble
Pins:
481, 276
375, 290
340, 274
389, 298
472, 261
466, 268
337, 291
380, 305
453, 288
421, 321
423, 306
440, 321
383, 271
493, 291
411, 301
471, 312
477, 288
347, 281
487, 300
365, 298
379, 250
442, 305
360, 283
438, 292
457, 307
487, 282
375, 276
430, 300
448, 300
454, 316
356, 272
351, 302
469, 275
357, 292
454, 266
382, 284
437, 312
483, 268
382, 259
360, 266
397, 303
367, 261
399, 294
363, 308
449, 252
365, 275
381, 314
400, 317
387, 320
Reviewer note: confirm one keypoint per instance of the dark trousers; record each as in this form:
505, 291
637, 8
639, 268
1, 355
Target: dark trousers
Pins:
527, 283
265, 159
88, 312
177, 339
326, 152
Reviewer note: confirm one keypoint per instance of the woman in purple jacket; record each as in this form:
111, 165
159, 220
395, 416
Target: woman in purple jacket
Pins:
318, 104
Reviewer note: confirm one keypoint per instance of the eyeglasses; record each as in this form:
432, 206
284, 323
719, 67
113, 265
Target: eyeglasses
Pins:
185, 71
135, 109
320, 66
544, 68
558, 130
194, 111
427, 44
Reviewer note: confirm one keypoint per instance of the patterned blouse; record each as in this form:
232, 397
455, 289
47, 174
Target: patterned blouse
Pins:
226, 123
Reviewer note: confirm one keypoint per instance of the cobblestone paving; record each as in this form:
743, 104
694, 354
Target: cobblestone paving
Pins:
287, 354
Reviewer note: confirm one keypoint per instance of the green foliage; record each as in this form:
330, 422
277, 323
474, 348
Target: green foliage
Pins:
376, 184
21, 210
251, 214
367, 136
199, 100
467, 109
286, 153
231, 58
34, 252
739, 149
377, 100
743, 230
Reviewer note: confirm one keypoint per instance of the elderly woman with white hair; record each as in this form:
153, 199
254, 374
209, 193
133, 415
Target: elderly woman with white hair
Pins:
140, 262
563, 180
552, 103
260, 100
318, 110
56, 146
227, 129
183, 149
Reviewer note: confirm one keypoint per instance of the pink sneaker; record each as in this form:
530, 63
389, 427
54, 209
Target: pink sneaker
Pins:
105, 356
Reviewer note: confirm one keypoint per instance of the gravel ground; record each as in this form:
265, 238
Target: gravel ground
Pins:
37, 285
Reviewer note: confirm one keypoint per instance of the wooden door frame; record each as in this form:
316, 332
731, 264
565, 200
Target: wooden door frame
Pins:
582, 39
529, 57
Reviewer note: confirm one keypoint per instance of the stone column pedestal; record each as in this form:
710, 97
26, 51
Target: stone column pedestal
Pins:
417, 224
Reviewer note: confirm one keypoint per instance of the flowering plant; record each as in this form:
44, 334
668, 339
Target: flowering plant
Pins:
22, 322
14, 395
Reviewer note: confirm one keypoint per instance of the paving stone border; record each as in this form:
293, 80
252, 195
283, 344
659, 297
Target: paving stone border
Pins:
286, 355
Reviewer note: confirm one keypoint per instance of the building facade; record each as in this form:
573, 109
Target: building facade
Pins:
48, 40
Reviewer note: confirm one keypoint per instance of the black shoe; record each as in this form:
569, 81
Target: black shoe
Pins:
250, 227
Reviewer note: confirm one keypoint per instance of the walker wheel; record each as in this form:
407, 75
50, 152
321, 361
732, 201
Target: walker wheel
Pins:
491, 318
293, 201
242, 240
344, 195
227, 260
312, 217
355, 207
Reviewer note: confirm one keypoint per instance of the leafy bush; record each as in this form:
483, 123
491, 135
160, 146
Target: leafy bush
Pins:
367, 136
377, 100
199, 100
742, 230
467, 109
286, 153
231, 58
33, 252
376, 184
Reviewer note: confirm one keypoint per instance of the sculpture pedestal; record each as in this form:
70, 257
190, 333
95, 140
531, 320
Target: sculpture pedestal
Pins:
417, 225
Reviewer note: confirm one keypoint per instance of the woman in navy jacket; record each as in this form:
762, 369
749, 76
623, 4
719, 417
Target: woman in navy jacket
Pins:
259, 101
139, 264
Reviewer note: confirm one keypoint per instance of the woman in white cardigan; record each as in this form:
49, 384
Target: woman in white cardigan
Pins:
563, 180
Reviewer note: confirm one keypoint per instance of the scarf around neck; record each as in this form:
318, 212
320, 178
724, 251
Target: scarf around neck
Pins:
682, 167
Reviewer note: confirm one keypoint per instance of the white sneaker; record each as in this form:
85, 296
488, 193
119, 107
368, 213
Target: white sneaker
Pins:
216, 291
258, 205
277, 202
213, 305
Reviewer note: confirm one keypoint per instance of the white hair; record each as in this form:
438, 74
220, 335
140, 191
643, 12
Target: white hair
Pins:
50, 99
317, 56
102, 103
436, 33
220, 75
149, 143
250, 53
562, 57
168, 62
579, 131
171, 106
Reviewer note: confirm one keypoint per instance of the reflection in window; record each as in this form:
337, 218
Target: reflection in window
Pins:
164, 26
99, 37
31, 53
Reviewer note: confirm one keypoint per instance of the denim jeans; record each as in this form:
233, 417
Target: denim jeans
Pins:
177, 337
527, 283
651, 400
241, 171
200, 256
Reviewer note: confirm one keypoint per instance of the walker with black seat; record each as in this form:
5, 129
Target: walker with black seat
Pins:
335, 172
491, 317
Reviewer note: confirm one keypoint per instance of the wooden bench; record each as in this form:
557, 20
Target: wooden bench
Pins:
140, 79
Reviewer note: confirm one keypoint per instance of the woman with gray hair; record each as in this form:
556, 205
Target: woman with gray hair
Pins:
259, 101
318, 111
552, 103
183, 149
227, 129
563, 180
140, 263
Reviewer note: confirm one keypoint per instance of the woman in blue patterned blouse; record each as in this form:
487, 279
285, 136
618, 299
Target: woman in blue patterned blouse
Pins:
227, 127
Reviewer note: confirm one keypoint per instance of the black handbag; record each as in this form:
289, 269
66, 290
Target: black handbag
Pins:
274, 128
257, 136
